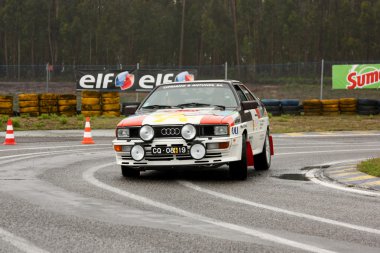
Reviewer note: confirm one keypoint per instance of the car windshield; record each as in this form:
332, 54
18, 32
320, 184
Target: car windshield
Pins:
191, 95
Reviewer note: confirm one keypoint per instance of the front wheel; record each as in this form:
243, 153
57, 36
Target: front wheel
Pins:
239, 169
263, 160
129, 172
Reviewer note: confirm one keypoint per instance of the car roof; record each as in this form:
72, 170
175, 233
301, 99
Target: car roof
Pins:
203, 81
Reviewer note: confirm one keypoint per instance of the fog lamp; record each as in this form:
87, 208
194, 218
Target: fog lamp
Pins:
137, 152
198, 151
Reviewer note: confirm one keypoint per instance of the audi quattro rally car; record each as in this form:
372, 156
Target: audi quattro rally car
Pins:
197, 123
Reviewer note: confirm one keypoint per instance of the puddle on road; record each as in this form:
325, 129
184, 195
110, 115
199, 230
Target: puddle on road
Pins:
296, 177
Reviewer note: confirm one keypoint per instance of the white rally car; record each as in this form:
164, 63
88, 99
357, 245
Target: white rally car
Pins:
198, 124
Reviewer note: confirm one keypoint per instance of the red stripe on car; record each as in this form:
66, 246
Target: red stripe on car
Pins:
258, 113
132, 121
217, 120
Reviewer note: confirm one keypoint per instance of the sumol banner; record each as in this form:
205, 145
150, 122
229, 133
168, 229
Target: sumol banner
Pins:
352, 77
130, 80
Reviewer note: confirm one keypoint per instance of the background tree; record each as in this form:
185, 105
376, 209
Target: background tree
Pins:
113, 32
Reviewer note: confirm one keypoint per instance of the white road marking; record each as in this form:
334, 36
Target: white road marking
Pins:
327, 151
19, 149
278, 210
50, 152
88, 176
311, 175
20, 243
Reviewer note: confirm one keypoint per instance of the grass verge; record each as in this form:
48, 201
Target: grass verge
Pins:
371, 167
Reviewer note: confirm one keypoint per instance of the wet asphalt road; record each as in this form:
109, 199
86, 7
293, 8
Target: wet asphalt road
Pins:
57, 195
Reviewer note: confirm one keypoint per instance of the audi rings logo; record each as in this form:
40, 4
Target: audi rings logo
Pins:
170, 131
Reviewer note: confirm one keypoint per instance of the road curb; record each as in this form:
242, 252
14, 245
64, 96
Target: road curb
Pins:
348, 175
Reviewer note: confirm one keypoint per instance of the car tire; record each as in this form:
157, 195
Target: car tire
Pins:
239, 169
129, 172
263, 160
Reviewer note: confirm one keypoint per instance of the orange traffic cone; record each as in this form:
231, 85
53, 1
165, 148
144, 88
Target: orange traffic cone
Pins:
9, 136
87, 137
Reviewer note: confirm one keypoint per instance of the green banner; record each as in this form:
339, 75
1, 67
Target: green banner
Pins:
350, 77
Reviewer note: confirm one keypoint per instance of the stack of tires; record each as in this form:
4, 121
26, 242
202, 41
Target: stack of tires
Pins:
273, 106
28, 105
48, 103
367, 107
111, 104
91, 105
348, 106
290, 106
330, 107
67, 104
312, 107
6, 105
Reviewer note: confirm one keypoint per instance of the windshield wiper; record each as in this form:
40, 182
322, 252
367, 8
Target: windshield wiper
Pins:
193, 105
200, 105
220, 106
157, 106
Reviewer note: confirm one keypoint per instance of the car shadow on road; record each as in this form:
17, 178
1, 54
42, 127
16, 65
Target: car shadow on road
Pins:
196, 174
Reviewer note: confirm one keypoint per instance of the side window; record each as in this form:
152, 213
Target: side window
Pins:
240, 93
247, 93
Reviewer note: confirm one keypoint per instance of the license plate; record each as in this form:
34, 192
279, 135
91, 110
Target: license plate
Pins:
173, 150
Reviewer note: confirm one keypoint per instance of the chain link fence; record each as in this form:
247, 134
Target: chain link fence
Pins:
291, 80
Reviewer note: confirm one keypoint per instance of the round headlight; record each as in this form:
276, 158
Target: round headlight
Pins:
137, 152
146, 133
197, 151
188, 132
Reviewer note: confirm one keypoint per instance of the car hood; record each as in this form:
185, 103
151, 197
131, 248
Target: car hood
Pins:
182, 116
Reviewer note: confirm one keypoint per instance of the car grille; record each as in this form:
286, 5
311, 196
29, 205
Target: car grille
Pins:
167, 131
174, 131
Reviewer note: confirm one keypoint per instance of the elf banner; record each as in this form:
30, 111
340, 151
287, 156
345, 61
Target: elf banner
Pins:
130, 80
351, 77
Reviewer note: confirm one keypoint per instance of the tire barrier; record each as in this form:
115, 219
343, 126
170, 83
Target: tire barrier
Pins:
330, 107
290, 106
91, 113
91, 103
273, 106
312, 107
29, 105
67, 104
348, 106
110, 104
6, 105
90, 94
48, 103
367, 107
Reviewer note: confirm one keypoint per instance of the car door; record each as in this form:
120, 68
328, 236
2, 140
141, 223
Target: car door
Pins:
250, 121
261, 121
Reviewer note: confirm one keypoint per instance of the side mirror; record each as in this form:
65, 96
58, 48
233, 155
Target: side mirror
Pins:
129, 109
249, 105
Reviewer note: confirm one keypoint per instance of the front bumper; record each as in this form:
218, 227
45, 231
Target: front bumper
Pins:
212, 157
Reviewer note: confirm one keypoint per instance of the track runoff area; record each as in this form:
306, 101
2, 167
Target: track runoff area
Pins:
62, 194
